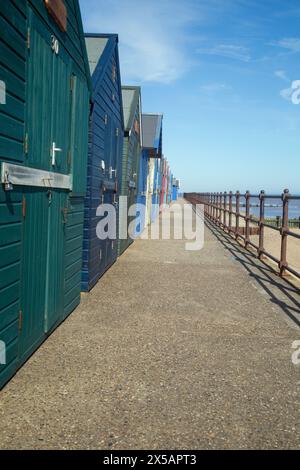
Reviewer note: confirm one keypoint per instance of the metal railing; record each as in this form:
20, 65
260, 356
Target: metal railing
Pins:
224, 210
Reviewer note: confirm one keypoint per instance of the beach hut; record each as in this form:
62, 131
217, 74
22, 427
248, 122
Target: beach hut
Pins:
166, 183
104, 157
174, 189
150, 189
152, 151
163, 182
178, 188
156, 190
131, 160
169, 185
43, 154
142, 192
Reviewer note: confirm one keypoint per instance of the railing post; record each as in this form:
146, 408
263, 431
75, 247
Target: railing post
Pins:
261, 248
284, 229
230, 211
216, 212
207, 204
217, 209
221, 210
225, 211
247, 219
237, 214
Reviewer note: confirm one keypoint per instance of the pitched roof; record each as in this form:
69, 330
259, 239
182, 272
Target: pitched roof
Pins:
130, 97
152, 126
95, 47
100, 49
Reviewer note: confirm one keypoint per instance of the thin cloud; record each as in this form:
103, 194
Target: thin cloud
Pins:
282, 75
152, 36
291, 44
230, 51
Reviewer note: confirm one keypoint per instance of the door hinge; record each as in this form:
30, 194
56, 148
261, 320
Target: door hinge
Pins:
117, 132
65, 215
69, 158
72, 84
24, 206
28, 38
105, 119
26, 145
20, 323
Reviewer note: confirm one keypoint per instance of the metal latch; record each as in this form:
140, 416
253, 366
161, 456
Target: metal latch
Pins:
7, 183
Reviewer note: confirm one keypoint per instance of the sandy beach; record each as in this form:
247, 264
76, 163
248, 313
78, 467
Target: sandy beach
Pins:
273, 245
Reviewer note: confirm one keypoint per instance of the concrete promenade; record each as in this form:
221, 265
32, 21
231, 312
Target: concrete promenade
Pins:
171, 350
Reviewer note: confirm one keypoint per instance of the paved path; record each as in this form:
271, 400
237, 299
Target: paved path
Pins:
172, 349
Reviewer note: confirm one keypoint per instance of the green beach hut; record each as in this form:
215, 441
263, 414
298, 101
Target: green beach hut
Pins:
43, 158
132, 148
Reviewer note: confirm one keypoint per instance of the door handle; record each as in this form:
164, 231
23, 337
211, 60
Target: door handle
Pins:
112, 172
53, 153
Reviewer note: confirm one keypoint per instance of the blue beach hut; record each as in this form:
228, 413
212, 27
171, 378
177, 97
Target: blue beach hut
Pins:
104, 156
152, 151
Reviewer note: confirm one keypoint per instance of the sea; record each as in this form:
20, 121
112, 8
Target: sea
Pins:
273, 208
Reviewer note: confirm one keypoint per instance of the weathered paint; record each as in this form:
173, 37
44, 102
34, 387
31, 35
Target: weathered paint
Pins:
42, 105
105, 153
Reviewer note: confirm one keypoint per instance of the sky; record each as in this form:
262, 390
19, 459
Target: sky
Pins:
226, 76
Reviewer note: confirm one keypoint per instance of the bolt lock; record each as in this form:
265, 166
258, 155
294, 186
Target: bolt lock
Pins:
8, 186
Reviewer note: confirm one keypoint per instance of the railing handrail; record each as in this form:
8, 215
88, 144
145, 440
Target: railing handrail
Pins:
219, 208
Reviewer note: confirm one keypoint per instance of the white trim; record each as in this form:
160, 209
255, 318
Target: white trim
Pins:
141, 122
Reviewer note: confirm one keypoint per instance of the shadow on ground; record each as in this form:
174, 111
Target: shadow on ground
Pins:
281, 291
